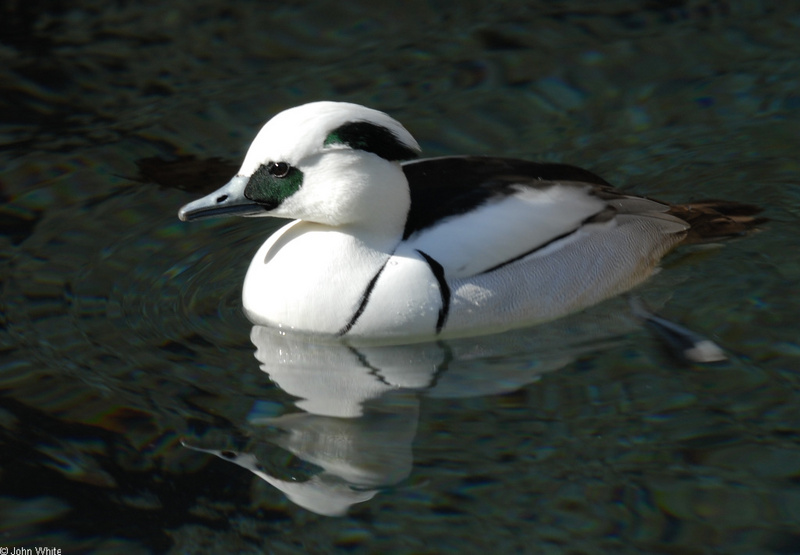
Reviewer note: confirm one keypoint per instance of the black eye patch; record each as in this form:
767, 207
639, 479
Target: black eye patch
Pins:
272, 183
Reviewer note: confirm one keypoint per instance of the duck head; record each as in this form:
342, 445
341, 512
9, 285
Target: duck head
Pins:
332, 163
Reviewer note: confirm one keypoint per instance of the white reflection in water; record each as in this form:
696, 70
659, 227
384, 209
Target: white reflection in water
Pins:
360, 403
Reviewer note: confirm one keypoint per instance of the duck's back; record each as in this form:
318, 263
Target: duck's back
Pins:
509, 242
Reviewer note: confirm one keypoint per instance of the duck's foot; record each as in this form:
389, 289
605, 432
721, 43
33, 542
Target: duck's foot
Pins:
685, 344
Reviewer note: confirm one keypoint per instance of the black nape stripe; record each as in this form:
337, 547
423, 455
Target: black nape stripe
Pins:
363, 135
444, 289
362, 305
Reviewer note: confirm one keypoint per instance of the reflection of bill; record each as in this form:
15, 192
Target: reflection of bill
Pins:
361, 403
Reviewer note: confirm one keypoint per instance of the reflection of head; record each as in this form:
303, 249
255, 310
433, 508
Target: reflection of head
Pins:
324, 494
357, 456
328, 497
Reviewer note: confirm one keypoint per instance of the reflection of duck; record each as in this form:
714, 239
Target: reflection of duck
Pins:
447, 246
361, 404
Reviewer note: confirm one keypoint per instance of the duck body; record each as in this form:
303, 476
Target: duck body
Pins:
387, 247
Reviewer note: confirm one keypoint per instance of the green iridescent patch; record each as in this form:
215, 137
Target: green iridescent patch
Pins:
269, 190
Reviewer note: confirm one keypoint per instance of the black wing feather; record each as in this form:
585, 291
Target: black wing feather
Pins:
453, 185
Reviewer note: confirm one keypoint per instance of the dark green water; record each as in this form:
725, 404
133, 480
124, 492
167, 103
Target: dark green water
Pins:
123, 340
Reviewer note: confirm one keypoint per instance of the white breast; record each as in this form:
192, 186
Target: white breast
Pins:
311, 277
406, 300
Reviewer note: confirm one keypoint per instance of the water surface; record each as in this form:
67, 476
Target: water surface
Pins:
125, 353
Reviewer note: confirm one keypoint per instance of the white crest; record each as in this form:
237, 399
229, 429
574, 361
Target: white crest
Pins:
300, 132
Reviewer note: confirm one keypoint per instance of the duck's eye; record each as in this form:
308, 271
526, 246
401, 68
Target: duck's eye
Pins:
278, 169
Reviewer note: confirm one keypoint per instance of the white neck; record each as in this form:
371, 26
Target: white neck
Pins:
351, 191
311, 276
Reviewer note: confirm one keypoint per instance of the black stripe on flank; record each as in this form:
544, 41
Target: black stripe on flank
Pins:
602, 216
444, 289
363, 303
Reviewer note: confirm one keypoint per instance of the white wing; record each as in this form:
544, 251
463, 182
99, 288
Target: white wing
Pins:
508, 228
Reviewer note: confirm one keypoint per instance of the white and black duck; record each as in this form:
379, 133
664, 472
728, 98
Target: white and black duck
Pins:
385, 245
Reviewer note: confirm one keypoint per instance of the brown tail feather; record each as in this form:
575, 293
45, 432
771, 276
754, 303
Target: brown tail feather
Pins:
717, 219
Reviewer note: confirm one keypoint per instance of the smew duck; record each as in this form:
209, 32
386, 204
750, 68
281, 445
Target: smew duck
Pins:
386, 245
